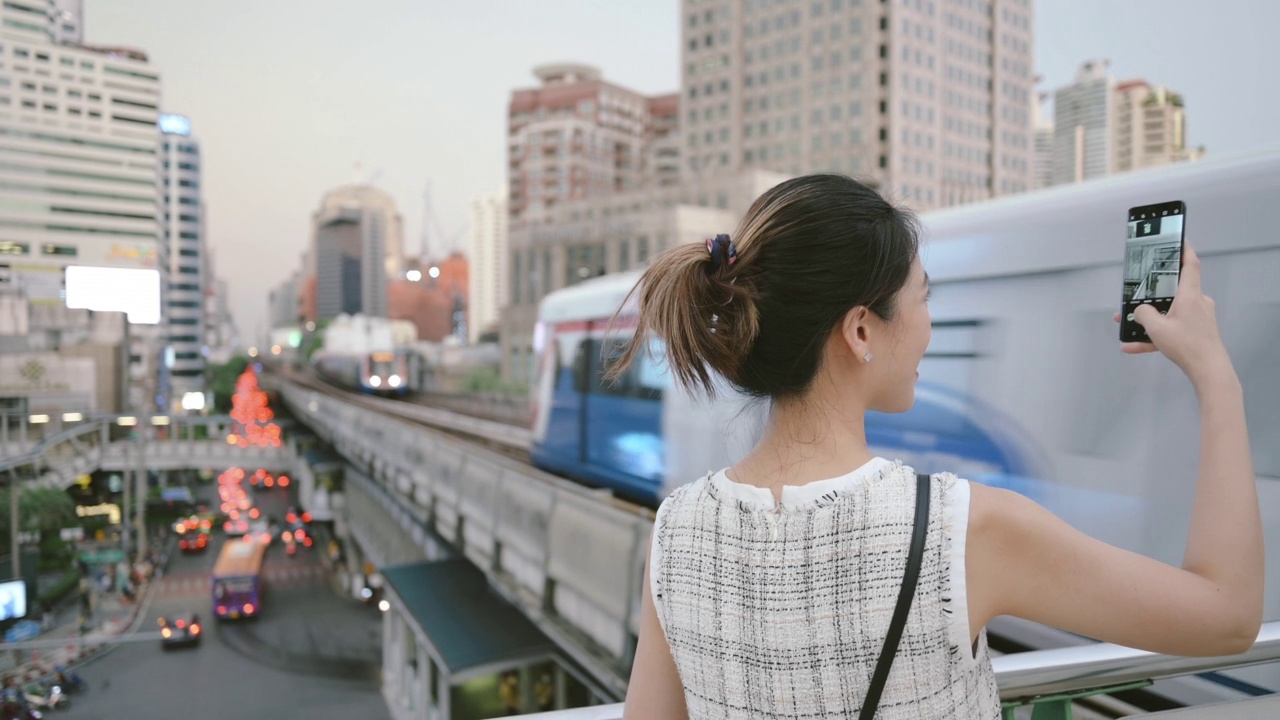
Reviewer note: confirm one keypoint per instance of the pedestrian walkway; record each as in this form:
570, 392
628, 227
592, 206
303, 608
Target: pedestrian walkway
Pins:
111, 617
72, 635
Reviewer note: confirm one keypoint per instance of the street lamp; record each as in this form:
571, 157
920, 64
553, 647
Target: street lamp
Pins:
434, 272
253, 352
413, 275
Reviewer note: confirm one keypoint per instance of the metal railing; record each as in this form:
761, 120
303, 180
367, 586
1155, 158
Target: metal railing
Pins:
1058, 677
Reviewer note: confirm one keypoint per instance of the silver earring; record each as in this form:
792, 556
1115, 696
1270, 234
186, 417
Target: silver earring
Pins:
866, 358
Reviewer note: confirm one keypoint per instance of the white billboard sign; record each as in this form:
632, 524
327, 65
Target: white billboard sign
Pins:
135, 292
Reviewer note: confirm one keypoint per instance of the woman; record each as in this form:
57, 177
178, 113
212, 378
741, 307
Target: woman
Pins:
771, 584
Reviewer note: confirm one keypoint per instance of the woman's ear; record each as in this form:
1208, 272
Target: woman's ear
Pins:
855, 332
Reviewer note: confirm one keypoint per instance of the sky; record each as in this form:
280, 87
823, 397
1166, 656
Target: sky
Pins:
288, 97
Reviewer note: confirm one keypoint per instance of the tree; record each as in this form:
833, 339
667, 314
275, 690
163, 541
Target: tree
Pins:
43, 510
223, 381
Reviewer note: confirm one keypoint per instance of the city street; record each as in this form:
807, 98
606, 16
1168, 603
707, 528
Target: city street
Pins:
311, 654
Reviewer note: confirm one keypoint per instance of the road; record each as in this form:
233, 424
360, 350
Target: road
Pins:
312, 653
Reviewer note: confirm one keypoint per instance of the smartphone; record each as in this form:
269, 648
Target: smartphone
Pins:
1152, 262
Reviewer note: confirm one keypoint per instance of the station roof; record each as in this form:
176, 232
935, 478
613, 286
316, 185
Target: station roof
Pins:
468, 624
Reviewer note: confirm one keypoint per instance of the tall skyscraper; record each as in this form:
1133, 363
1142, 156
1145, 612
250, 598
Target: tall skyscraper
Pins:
487, 249
1102, 126
1042, 150
78, 161
182, 251
928, 99
576, 136
1082, 125
358, 247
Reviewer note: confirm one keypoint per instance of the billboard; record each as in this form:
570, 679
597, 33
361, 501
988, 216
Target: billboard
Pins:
133, 291
13, 599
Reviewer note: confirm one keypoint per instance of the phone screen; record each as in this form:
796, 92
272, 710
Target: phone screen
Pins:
1152, 263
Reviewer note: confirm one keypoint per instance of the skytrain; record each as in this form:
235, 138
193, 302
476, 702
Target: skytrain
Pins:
1024, 385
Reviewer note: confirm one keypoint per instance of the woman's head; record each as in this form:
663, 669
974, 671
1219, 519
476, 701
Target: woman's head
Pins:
826, 294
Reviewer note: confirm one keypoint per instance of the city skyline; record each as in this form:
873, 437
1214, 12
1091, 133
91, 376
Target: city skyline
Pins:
369, 90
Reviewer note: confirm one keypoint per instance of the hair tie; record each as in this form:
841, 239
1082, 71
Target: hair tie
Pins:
722, 251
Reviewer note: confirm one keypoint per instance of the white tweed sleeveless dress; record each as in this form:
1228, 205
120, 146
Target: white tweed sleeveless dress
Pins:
780, 611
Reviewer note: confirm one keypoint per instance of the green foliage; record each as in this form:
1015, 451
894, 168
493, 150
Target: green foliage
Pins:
69, 581
487, 380
42, 510
222, 378
54, 552
39, 510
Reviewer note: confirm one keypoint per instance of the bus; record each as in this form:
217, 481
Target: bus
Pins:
237, 580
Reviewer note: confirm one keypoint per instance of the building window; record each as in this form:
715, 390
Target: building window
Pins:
60, 250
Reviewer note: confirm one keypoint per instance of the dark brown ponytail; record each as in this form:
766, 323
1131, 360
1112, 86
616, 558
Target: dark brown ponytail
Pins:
703, 311
808, 251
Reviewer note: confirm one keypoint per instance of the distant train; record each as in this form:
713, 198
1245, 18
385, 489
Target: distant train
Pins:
388, 373
1024, 385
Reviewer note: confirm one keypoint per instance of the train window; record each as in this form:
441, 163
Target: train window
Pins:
584, 363
625, 384
652, 374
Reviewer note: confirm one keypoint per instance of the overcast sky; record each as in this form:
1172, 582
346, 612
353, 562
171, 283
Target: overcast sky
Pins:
287, 96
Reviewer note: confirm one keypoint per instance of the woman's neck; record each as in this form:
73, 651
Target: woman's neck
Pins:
805, 441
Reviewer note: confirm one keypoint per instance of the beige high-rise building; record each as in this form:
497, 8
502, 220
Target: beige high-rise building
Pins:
929, 100
1150, 127
487, 250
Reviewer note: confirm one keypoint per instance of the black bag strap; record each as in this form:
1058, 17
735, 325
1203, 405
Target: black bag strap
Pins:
905, 595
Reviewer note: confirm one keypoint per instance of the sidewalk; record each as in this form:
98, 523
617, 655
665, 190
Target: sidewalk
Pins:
111, 616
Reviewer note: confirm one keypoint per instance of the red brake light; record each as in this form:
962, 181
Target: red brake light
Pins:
248, 608
306, 517
181, 624
222, 609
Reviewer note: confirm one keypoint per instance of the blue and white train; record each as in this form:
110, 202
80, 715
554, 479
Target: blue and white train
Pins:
388, 373
1024, 384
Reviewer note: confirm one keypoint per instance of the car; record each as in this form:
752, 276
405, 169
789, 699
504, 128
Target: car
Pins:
180, 630
260, 531
193, 541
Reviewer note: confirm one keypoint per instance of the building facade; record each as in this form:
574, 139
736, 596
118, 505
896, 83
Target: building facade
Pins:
928, 100
433, 297
221, 336
1150, 127
358, 248
586, 238
577, 136
1102, 126
1042, 150
83, 120
1082, 125
284, 301
488, 255
182, 253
